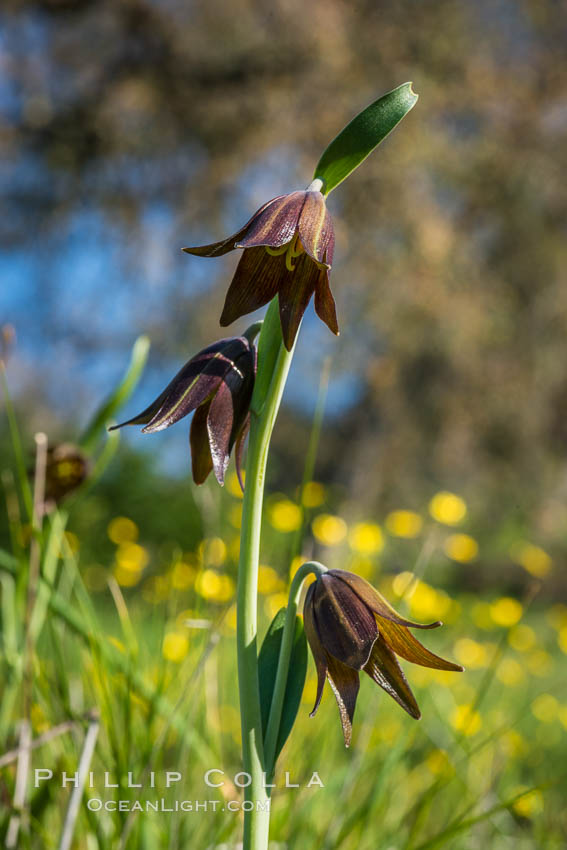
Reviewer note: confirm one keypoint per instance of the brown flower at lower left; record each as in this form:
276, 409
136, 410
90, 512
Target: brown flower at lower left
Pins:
217, 384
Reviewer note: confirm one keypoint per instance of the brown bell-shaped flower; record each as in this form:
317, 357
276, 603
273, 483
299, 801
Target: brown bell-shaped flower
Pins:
288, 251
67, 467
350, 627
217, 384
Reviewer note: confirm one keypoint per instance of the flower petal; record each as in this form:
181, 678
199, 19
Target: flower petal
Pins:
188, 389
404, 644
376, 601
384, 669
325, 303
295, 291
346, 626
317, 650
316, 230
201, 459
256, 280
217, 249
345, 683
274, 225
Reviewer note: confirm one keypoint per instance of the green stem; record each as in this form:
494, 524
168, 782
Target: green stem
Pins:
273, 366
272, 732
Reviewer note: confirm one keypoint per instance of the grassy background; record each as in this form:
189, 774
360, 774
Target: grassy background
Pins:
142, 641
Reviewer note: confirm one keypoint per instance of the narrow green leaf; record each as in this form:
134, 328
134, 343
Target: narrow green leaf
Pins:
267, 669
360, 137
120, 395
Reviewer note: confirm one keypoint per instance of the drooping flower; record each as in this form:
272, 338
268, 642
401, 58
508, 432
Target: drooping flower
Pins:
288, 251
351, 627
217, 384
67, 467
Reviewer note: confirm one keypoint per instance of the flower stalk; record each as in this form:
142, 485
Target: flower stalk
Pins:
274, 361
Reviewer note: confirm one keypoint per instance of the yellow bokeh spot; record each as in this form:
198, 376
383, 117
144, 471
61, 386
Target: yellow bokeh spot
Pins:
438, 762
126, 577
532, 558
480, 615
426, 603
366, 538
285, 515
313, 494
329, 530
562, 639
466, 720
522, 638
529, 804
295, 565
175, 646
234, 549
461, 547
506, 611
230, 619
510, 672
235, 515
212, 551
545, 707
214, 586
268, 580
404, 523
182, 575
513, 744
274, 603
132, 556
540, 663
361, 565
470, 654
447, 508
122, 530
233, 484
402, 582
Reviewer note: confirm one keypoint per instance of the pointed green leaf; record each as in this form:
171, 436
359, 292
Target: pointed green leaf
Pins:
360, 137
267, 669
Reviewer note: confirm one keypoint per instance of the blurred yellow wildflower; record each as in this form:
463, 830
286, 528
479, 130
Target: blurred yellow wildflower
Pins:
513, 744
132, 556
175, 646
438, 762
531, 803
506, 611
466, 720
127, 577
122, 530
447, 508
470, 654
235, 515
274, 603
510, 672
539, 662
329, 530
426, 602
461, 547
313, 494
285, 516
217, 587
402, 582
182, 575
545, 707
366, 538
361, 565
230, 619
295, 565
268, 580
532, 558
404, 523
212, 551
522, 637
562, 639
233, 484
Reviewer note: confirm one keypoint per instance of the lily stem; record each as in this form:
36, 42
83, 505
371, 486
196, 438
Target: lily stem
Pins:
273, 366
272, 732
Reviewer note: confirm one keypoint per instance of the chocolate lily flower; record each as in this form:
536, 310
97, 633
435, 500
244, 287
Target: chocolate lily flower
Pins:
288, 250
217, 384
351, 627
